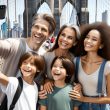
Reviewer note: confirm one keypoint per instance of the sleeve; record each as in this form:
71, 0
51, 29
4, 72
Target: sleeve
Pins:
107, 68
76, 103
11, 87
5, 47
43, 102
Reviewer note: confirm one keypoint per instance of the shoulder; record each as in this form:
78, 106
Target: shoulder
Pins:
69, 86
108, 63
49, 54
12, 85
75, 58
13, 39
13, 80
107, 68
10, 41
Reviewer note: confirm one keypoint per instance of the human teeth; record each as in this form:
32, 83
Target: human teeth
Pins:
58, 72
87, 45
64, 44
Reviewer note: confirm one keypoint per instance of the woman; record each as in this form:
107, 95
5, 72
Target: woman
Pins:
65, 46
94, 50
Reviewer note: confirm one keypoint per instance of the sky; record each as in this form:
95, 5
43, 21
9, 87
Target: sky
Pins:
91, 9
102, 6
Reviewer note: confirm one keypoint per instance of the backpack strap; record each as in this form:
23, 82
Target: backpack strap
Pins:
100, 77
76, 69
17, 94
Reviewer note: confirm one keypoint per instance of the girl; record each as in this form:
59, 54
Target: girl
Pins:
61, 69
94, 51
30, 65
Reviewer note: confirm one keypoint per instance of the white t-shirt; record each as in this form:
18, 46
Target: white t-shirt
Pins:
28, 98
89, 82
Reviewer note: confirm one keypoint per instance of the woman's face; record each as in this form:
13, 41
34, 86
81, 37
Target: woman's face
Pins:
67, 38
92, 42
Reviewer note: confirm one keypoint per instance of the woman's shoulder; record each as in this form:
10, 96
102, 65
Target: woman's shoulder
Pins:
107, 67
49, 54
108, 64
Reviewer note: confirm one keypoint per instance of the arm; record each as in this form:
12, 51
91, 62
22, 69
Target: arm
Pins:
42, 107
78, 96
76, 108
5, 46
3, 79
106, 99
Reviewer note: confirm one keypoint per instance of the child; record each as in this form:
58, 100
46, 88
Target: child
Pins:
30, 65
62, 70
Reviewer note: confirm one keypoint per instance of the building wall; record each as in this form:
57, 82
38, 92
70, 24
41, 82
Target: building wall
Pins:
56, 7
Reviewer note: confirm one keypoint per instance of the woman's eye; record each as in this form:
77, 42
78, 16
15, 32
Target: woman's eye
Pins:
61, 67
94, 39
70, 37
63, 34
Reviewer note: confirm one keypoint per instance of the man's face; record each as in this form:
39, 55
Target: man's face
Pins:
40, 31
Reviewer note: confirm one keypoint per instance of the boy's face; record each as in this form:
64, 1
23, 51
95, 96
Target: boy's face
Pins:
28, 68
58, 71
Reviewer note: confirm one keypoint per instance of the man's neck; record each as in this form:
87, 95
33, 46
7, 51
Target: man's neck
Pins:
31, 45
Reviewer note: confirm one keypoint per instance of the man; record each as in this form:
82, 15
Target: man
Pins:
12, 49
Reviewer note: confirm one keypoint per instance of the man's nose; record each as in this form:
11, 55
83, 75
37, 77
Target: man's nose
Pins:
39, 30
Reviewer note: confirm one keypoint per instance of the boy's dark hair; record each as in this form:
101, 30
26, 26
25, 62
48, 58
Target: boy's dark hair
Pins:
68, 65
35, 58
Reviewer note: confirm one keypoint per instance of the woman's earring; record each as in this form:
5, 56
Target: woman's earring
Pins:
74, 43
101, 47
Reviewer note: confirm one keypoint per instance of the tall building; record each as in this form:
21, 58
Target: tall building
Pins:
106, 17
56, 6
101, 7
84, 14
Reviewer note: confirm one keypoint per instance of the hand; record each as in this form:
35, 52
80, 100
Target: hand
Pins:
77, 87
48, 86
42, 93
76, 95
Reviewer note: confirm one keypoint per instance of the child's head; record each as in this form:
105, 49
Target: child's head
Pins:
62, 66
31, 63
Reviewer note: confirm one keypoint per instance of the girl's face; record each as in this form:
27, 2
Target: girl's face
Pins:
28, 68
92, 41
58, 71
67, 38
